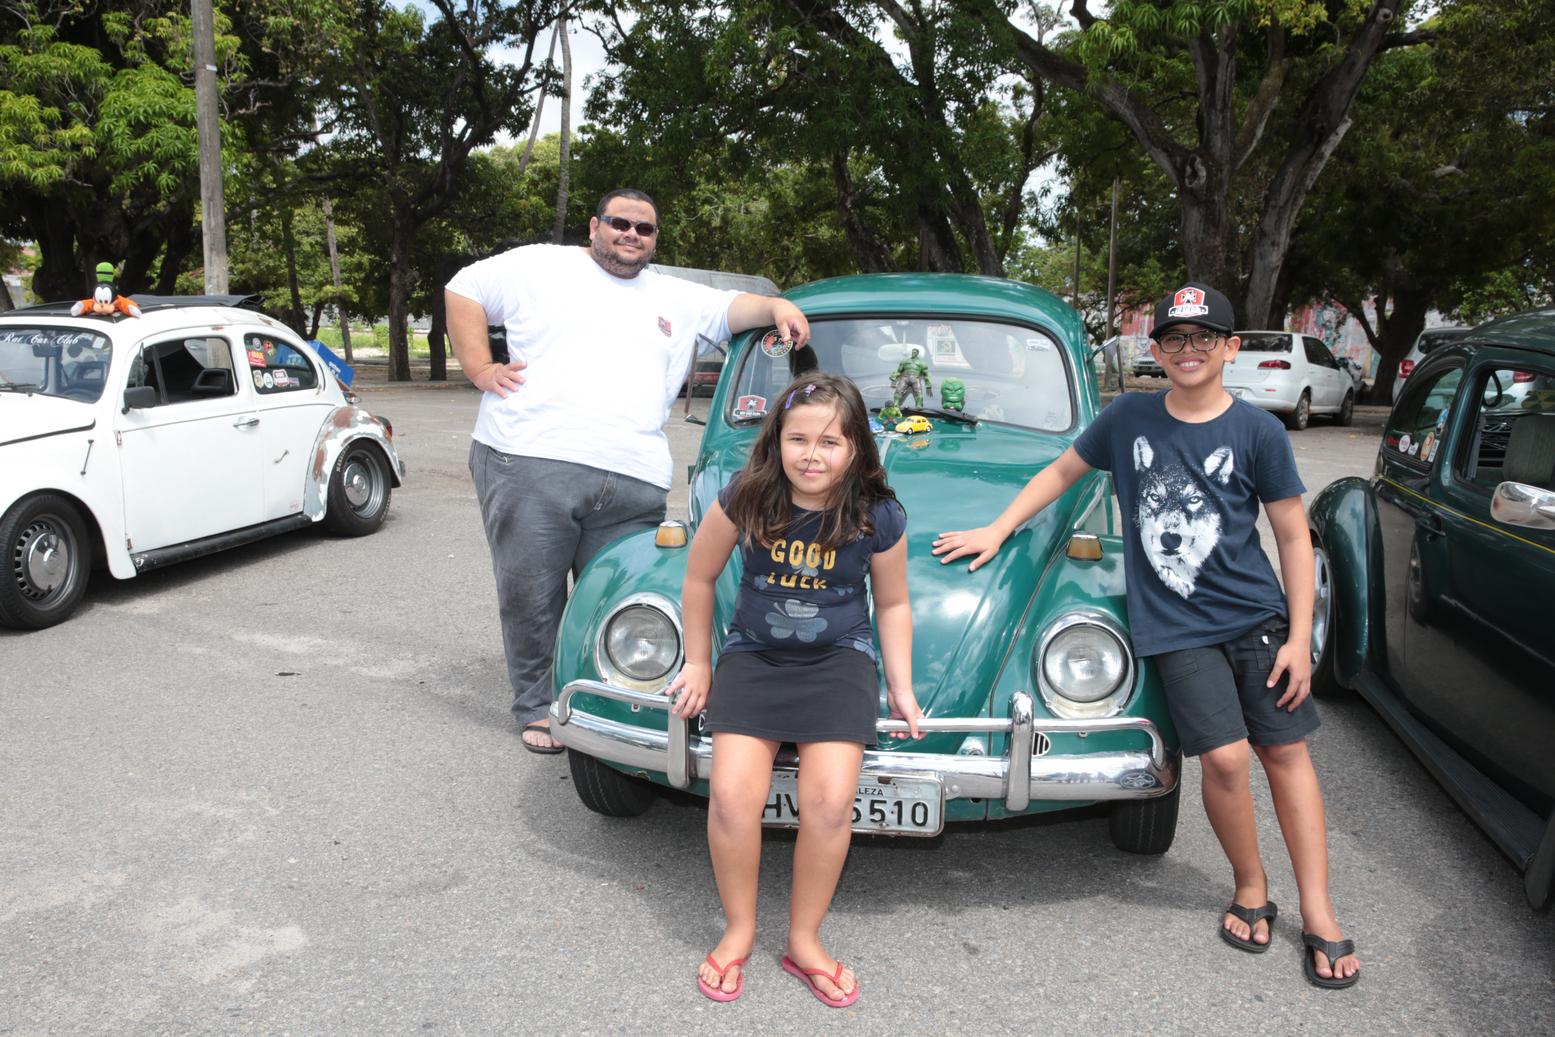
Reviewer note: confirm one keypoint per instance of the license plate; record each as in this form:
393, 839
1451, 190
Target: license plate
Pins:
891, 806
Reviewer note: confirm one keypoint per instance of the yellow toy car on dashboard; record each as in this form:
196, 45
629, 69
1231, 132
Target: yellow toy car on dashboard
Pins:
916, 423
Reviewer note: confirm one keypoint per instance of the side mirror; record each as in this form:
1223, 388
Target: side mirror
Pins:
140, 397
1518, 504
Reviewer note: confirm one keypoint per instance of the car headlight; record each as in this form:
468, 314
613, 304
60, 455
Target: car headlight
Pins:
640, 643
1084, 666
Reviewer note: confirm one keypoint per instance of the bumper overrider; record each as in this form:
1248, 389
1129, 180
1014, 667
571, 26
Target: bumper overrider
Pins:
1025, 772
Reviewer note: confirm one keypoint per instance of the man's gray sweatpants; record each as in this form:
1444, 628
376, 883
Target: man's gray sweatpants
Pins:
545, 519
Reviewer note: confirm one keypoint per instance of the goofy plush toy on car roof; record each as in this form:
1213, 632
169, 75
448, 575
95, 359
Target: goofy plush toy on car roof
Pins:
105, 300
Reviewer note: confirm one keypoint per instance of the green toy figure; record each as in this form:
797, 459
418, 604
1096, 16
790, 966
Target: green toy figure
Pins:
890, 414
911, 376
952, 394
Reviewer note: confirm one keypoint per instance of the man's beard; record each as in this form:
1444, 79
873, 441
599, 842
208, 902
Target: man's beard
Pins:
618, 265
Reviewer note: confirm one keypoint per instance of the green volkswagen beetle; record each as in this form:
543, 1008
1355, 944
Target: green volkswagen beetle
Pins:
1024, 668
1435, 580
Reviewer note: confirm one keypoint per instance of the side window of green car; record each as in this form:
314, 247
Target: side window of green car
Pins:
1417, 424
1514, 414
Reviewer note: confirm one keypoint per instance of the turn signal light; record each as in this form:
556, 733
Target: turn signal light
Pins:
670, 534
1085, 547
1406, 368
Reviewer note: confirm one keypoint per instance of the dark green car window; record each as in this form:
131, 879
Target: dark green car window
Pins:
1416, 425
1507, 397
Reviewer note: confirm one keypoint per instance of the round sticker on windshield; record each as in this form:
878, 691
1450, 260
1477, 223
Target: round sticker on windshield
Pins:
775, 345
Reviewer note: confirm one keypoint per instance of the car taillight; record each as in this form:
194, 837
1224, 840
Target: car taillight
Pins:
1275, 365
1405, 368
1521, 376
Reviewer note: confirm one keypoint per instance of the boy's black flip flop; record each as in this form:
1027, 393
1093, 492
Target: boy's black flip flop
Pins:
544, 729
1250, 915
1333, 950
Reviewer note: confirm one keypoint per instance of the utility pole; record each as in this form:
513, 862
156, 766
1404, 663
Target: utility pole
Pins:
1114, 358
213, 219
334, 275
1074, 295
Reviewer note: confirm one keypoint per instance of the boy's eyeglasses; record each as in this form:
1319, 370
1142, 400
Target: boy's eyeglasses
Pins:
621, 225
1203, 341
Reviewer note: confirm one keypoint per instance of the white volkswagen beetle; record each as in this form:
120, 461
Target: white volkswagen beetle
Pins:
134, 442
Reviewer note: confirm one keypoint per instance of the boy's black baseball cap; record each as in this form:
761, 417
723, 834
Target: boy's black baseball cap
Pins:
1194, 303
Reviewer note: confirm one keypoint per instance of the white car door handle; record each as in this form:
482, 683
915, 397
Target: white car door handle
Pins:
246, 423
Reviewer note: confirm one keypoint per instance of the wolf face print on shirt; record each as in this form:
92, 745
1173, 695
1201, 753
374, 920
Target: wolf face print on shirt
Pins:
1178, 514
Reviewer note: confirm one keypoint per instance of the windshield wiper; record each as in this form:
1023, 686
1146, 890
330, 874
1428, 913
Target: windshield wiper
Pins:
27, 387
939, 412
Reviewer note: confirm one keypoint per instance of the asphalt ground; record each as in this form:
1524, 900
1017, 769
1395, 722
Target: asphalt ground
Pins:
278, 790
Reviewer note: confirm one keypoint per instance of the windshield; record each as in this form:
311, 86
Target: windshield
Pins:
986, 370
63, 362
1264, 342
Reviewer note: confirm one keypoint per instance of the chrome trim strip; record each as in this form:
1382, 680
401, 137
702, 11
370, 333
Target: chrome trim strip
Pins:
1016, 778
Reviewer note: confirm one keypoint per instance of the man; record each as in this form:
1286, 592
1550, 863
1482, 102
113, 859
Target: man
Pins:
569, 451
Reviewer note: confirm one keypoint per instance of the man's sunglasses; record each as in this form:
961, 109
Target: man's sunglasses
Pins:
621, 225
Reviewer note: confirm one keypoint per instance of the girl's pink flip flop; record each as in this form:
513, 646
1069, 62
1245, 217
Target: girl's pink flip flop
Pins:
714, 993
803, 975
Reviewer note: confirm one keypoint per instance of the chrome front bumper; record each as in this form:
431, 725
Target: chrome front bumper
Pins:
1015, 778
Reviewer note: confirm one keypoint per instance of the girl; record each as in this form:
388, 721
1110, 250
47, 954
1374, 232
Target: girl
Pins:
814, 519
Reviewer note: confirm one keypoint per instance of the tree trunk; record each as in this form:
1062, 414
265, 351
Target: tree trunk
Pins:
401, 280
1397, 329
437, 337
937, 248
294, 316
534, 124
180, 242
563, 173
60, 274
5, 295
872, 254
341, 316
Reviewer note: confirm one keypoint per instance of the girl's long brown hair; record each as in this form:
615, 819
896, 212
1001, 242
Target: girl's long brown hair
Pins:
761, 506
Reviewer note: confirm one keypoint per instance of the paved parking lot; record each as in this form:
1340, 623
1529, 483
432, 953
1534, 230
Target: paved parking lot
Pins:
278, 791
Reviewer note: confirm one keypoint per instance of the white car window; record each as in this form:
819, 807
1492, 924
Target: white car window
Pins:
186, 370
276, 366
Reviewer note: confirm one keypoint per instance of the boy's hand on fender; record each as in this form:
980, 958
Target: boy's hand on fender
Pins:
1295, 661
984, 542
499, 378
689, 690
904, 706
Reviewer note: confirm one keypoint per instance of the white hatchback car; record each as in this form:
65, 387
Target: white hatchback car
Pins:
135, 442
1293, 375
1425, 342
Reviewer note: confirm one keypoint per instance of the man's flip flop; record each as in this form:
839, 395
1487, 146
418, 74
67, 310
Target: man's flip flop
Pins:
803, 975
544, 729
1333, 950
716, 993
1251, 916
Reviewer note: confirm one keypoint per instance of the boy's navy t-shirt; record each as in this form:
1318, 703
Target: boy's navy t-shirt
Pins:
1189, 495
796, 594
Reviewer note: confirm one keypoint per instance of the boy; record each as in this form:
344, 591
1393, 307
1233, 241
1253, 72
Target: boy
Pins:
1191, 465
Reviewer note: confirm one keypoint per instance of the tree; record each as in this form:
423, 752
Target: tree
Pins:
416, 101
930, 147
1180, 78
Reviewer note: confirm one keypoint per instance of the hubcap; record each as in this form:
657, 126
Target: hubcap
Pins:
42, 560
358, 485
1322, 603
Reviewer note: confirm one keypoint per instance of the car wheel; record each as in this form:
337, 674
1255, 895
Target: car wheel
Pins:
47, 562
1325, 680
1346, 410
606, 790
1145, 826
1297, 419
359, 490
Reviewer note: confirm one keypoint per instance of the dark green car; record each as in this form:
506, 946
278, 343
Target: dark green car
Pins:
1436, 580
1025, 669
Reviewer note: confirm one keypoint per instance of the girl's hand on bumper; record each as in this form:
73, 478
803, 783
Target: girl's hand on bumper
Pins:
904, 706
689, 689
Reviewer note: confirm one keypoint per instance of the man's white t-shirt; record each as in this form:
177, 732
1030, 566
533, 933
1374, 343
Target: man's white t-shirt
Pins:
606, 356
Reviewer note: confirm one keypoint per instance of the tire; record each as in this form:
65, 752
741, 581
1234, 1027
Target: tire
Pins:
359, 489
1346, 411
1145, 826
1325, 679
606, 790
1299, 418
48, 558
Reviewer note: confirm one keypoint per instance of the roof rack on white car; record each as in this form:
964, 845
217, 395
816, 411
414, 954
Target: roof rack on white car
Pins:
147, 303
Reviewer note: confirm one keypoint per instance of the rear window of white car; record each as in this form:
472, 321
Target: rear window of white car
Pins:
1256, 342
277, 366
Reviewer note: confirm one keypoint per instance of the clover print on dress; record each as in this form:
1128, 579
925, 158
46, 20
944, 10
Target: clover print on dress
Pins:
796, 619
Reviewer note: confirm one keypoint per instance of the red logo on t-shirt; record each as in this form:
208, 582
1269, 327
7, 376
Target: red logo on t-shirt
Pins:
664, 326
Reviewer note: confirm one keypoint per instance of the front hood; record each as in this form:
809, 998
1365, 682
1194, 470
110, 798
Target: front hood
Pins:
956, 477
24, 417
